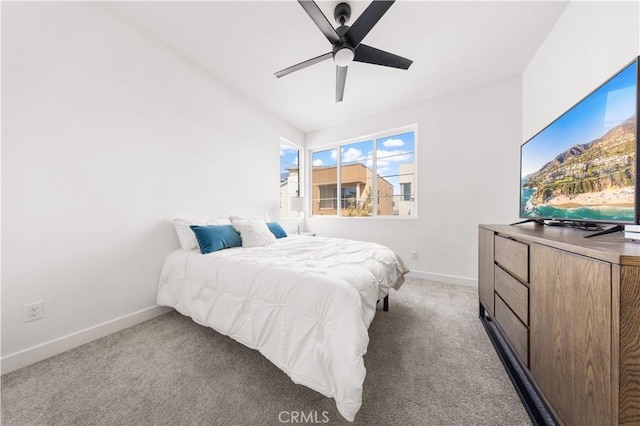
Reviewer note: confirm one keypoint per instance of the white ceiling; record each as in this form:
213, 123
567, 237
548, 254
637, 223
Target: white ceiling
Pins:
454, 46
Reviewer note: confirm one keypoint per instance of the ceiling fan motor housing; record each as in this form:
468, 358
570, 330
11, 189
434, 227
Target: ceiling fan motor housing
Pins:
343, 53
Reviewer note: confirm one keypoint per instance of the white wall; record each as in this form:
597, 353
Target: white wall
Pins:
468, 167
107, 135
588, 44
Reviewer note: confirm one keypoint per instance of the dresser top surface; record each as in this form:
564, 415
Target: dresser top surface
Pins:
612, 248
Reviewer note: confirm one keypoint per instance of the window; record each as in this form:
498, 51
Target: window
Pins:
356, 179
405, 188
289, 175
372, 176
328, 197
395, 164
349, 197
324, 192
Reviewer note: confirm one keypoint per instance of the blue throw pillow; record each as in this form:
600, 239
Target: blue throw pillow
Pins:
216, 237
276, 229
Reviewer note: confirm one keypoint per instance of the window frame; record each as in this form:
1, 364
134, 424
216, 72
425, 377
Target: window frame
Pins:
374, 184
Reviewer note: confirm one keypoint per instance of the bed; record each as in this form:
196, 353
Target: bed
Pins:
304, 302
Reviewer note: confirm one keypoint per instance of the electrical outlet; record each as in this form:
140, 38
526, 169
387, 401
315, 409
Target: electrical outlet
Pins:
33, 311
414, 255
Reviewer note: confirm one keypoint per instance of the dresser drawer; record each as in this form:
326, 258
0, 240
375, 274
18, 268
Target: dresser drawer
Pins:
515, 331
514, 293
513, 256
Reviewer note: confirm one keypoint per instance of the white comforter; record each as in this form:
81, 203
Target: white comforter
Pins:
304, 302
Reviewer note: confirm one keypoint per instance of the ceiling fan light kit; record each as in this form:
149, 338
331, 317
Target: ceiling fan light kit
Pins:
343, 56
346, 41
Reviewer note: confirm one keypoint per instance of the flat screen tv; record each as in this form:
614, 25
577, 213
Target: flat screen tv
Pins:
582, 167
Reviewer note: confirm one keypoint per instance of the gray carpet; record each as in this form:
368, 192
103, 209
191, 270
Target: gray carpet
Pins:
429, 363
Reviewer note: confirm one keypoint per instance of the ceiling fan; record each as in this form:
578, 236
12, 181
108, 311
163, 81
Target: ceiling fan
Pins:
346, 41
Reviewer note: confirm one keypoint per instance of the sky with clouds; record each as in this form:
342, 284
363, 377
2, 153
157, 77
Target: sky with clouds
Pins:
289, 157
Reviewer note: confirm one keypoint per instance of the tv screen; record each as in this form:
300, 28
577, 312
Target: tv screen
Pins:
582, 167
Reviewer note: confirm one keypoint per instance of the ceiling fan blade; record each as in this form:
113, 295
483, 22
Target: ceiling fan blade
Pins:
320, 20
366, 21
341, 77
371, 55
304, 64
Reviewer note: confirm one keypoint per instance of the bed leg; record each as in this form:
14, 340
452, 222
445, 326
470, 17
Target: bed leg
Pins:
385, 303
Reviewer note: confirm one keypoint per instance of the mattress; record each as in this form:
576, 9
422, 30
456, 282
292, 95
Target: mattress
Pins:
305, 303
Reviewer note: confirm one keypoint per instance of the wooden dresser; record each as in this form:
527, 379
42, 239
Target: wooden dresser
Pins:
564, 315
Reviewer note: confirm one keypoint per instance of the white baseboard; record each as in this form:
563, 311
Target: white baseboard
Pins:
449, 279
54, 347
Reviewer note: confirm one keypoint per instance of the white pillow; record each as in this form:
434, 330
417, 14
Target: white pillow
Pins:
254, 233
261, 217
185, 234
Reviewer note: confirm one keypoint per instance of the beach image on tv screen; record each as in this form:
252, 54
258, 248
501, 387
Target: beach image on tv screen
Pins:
582, 166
